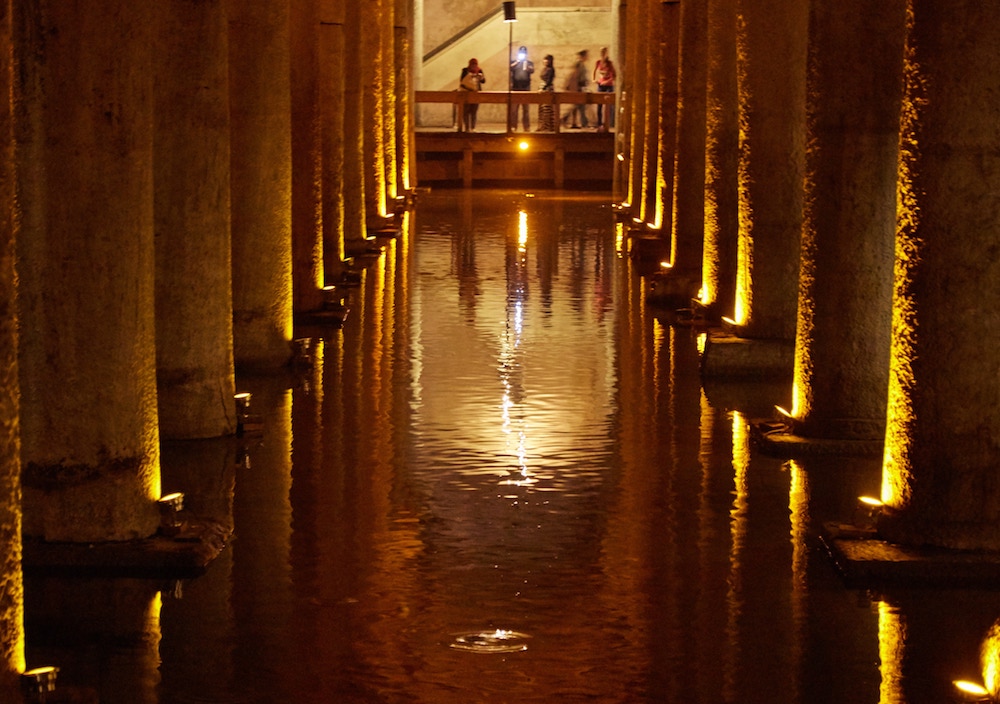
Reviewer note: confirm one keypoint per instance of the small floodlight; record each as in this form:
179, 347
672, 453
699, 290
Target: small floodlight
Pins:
171, 506
38, 681
972, 692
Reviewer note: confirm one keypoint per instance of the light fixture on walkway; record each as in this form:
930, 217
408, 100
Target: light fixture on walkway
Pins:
509, 17
39, 681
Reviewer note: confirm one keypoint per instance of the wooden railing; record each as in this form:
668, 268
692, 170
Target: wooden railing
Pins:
556, 99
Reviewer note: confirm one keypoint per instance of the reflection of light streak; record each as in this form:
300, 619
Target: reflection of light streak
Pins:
891, 646
738, 532
522, 232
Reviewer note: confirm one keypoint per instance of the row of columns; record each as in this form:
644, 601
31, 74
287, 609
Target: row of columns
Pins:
825, 186
180, 180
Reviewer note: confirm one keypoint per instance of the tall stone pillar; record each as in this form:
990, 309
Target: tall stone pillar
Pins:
689, 166
11, 583
260, 111
721, 234
759, 341
942, 444
307, 157
637, 83
405, 124
355, 131
194, 300
658, 48
666, 28
845, 288
90, 444
372, 69
387, 27
332, 111
772, 40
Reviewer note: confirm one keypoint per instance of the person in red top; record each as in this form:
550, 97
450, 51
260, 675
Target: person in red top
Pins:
604, 75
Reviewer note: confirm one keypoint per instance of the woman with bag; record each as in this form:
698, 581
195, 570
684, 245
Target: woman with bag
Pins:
471, 80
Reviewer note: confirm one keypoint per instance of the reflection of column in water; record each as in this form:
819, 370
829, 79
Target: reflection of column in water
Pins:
710, 607
118, 618
261, 554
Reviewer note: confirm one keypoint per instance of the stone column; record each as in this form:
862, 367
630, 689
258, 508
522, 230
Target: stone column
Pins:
684, 278
942, 443
657, 49
666, 24
772, 40
260, 111
11, 583
307, 157
845, 287
90, 445
372, 70
332, 110
721, 163
387, 27
405, 147
772, 60
637, 82
355, 133
194, 300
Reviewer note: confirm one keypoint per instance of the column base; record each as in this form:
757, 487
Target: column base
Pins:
865, 560
779, 439
182, 555
728, 356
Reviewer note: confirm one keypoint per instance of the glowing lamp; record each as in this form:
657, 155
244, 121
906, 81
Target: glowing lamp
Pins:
523, 146
972, 692
171, 506
242, 404
38, 681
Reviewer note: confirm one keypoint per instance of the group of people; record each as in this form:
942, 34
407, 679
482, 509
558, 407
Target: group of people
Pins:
521, 71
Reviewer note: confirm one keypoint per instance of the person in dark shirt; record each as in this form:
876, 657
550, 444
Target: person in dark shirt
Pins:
520, 79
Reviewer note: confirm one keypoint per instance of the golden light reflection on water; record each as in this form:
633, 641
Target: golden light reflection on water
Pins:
738, 532
891, 650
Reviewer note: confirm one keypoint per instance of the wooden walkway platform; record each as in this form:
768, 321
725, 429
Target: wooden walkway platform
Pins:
573, 159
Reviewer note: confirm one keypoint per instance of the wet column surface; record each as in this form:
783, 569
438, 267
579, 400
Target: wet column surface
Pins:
944, 398
260, 103
90, 445
721, 224
11, 586
194, 300
689, 182
772, 41
845, 299
307, 157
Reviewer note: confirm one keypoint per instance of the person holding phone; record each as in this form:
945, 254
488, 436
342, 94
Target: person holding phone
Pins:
520, 79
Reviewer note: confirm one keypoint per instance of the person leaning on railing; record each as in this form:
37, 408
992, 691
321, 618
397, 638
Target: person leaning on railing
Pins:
471, 80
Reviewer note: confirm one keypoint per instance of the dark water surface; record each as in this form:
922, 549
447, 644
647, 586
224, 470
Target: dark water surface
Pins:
502, 481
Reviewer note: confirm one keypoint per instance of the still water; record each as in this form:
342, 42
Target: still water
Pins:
503, 481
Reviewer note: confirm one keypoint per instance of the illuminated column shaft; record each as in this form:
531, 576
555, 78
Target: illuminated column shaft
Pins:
622, 86
354, 125
90, 445
194, 302
387, 27
943, 420
404, 96
260, 104
638, 81
307, 157
772, 57
662, 123
332, 65
372, 70
721, 162
845, 292
11, 583
656, 113
689, 181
